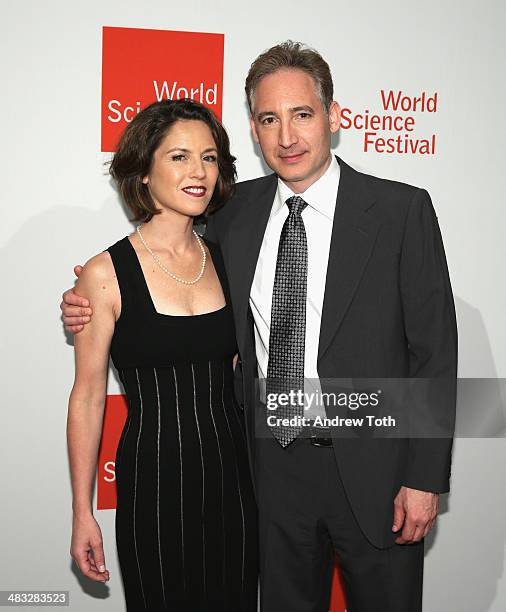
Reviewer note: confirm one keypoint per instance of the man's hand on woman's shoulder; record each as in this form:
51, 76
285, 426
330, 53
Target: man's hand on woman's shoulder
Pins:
76, 309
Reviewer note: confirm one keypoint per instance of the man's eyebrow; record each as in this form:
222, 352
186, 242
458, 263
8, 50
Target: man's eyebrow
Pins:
305, 109
293, 110
264, 114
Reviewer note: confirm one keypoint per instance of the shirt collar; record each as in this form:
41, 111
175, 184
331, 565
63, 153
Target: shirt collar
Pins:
321, 195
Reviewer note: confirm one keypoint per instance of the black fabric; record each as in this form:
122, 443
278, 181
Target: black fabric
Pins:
305, 520
186, 516
171, 338
388, 312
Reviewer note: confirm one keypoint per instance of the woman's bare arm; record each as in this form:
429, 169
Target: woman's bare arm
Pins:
86, 407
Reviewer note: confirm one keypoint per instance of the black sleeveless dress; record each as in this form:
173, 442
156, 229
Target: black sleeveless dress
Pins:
186, 528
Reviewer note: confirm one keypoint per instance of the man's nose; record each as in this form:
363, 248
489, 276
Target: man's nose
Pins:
287, 135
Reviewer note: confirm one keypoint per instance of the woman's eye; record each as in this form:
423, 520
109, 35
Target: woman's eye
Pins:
210, 158
177, 157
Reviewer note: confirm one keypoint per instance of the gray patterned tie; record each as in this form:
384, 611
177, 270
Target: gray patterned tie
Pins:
285, 369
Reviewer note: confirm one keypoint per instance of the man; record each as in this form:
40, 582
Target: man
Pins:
333, 274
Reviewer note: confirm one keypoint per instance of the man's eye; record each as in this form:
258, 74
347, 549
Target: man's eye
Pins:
304, 115
268, 121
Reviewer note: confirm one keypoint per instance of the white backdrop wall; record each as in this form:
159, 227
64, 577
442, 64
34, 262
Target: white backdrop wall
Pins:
59, 208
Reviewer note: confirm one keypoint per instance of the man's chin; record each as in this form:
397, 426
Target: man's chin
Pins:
301, 172
291, 177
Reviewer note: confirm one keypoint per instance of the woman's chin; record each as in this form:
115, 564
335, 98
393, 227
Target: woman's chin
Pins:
188, 209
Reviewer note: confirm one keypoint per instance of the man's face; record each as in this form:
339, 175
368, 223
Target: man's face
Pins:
292, 127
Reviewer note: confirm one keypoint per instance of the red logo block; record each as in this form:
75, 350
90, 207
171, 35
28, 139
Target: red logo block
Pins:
144, 66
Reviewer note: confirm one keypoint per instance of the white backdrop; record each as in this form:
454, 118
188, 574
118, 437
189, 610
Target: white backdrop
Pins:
59, 208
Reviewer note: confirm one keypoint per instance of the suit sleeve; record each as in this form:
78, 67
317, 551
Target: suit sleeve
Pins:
211, 233
431, 332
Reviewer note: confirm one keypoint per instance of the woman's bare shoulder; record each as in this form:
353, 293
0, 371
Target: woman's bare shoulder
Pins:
98, 275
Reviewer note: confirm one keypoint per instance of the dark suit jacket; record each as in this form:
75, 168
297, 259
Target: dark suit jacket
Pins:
388, 312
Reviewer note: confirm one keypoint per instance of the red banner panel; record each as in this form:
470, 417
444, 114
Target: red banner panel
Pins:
144, 66
116, 411
337, 603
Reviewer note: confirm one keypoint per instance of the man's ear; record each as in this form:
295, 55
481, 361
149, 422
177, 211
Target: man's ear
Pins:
253, 129
334, 116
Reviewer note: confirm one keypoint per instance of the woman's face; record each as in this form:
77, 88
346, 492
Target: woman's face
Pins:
184, 170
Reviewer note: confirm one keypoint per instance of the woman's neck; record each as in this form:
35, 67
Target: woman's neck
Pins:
169, 232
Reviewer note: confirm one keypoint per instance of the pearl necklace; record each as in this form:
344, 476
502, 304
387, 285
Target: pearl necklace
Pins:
160, 264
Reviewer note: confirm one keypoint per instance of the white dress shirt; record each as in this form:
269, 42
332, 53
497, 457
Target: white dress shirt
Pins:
318, 217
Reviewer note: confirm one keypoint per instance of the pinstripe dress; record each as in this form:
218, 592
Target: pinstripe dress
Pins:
186, 515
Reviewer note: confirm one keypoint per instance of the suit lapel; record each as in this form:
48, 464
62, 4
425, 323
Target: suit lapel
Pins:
245, 240
354, 233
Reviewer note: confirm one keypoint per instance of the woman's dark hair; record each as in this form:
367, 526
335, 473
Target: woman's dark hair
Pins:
134, 157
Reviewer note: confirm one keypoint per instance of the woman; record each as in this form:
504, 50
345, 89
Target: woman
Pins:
185, 517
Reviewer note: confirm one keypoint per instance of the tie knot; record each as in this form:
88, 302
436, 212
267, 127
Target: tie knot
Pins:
296, 205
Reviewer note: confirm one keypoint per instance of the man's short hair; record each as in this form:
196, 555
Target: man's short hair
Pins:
291, 55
